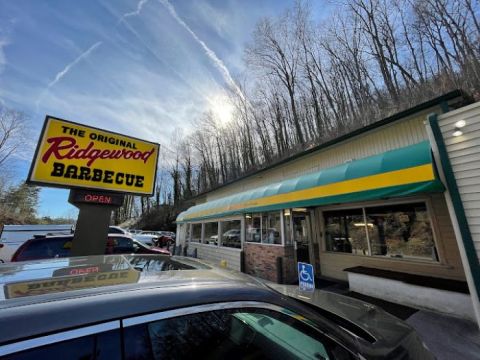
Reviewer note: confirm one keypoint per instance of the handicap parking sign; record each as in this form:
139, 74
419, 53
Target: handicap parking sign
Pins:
306, 280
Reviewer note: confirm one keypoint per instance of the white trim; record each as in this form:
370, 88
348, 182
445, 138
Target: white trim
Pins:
58, 337
456, 227
198, 309
263, 244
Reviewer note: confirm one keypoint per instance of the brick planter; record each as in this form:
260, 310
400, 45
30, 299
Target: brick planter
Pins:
261, 261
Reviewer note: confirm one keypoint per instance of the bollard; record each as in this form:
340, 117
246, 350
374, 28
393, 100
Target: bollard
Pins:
279, 263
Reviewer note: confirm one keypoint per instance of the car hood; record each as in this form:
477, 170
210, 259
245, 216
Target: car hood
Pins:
380, 325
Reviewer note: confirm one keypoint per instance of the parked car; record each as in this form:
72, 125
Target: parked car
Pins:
13, 236
118, 230
231, 238
156, 238
160, 307
59, 247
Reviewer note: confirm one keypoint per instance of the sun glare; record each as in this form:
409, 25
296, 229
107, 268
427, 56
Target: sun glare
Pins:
222, 109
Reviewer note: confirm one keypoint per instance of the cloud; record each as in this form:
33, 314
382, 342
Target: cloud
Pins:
3, 58
209, 52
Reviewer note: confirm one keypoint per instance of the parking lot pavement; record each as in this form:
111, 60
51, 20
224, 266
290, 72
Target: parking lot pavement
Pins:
447, 337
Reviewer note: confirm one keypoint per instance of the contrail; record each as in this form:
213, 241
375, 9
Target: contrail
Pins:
136, 12
65, 71
210, 53
153, 52
67, 68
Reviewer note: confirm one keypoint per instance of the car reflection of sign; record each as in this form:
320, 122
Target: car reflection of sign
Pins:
85, 279
72, 155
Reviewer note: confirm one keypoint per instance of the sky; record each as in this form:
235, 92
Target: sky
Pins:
146, 68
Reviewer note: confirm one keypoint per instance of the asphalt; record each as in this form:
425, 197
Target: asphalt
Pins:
447, 337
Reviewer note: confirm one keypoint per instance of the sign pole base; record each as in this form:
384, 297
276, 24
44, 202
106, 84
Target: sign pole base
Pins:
91, 230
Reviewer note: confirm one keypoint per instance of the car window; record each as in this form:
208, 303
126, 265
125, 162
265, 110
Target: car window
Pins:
102, 346
113, 230
46, 248
230, 334
121, 244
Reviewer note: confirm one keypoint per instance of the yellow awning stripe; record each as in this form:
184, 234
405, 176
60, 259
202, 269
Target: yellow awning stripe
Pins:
411, 175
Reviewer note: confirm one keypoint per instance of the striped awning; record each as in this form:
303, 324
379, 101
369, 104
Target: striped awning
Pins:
396, 173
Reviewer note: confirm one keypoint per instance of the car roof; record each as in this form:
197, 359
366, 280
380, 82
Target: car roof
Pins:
139, 293
147, 290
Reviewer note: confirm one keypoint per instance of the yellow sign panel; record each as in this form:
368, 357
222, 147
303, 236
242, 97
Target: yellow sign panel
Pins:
72, 155
68, 283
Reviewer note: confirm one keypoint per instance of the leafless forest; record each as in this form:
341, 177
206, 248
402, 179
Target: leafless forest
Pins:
309, 81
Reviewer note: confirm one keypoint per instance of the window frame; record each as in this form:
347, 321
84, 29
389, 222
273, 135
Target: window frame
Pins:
364, 206
39, 341
281, 229
219, 221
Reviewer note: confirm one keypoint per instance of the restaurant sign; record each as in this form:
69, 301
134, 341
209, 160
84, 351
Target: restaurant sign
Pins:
72, 155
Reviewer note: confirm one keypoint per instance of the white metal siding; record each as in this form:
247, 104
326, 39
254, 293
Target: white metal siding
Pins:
218, 253
393, 136
464, 154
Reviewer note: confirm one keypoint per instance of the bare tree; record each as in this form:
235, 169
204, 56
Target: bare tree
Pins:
13, 133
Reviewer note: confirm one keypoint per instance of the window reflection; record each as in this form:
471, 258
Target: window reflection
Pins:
399, 231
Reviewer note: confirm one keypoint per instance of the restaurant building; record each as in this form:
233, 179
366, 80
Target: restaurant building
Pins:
381, 207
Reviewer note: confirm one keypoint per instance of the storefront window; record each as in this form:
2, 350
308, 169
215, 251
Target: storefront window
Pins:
211, 233
401, 231
253, 223
397, 231
345, 231
264, 228
196, 233
231, 234
271, 228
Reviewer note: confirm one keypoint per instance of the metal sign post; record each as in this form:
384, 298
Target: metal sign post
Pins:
95, 210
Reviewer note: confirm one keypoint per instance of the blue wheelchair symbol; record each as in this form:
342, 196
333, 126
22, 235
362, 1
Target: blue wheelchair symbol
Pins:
306, 280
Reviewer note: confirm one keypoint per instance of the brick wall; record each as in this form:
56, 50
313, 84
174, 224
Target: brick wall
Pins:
261, 261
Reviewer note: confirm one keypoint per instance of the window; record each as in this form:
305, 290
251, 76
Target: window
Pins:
345, 231
264, 228
271, 228
211, 233
397, 230
119, 245
196, 233
45, 248
401, 231
254, 225
113, 230
230, 334
231, 234
101, 346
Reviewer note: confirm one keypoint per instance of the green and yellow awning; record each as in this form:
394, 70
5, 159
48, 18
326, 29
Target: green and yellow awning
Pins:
396, 173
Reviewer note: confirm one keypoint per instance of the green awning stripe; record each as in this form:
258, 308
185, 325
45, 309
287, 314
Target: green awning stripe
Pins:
408, 161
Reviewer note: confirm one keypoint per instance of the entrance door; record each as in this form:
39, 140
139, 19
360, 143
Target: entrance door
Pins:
302, 234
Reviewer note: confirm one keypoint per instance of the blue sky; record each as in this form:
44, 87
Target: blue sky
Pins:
139, 67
